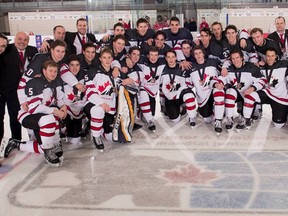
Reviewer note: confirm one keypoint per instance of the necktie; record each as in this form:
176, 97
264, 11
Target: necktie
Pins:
22, 60
83, 41
282, 41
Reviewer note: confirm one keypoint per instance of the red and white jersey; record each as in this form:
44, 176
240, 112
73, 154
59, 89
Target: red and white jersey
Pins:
35, 68
203, 77
101, 88
245, 77
173, 82
73, 98
277, 77
42, 96
152, 74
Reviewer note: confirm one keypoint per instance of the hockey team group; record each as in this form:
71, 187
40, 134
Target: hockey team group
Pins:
78, 85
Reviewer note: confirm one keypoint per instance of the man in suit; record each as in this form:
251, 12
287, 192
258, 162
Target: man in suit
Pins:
280, 36
76, 40
58, 34
14, 62
3, 44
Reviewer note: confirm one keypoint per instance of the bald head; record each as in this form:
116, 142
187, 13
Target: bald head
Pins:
21, 40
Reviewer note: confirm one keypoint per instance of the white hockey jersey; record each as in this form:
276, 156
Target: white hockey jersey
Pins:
173, 81
203, 77
277, 78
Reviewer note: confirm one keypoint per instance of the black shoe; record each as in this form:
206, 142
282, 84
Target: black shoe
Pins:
51, 157
98, 143
137, 126
11, 145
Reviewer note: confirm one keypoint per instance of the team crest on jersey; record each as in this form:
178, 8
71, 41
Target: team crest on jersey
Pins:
206, 80
149, 78
273, 82
106, 89
173, 86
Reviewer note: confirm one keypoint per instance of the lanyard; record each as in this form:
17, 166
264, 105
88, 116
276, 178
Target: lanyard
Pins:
153, 73
268, 76
201, 75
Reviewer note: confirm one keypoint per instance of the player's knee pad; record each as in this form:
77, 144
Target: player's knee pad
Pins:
175, 120
97, 112
208, 120
47, 120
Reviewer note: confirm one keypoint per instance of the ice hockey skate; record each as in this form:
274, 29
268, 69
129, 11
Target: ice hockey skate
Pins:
151, 126
58, 149
98, 143
229, 124
7, 147
218, 126
192, 122
51, 157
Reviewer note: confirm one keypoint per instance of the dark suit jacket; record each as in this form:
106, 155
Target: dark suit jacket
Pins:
10, 67
274, 36
70, 38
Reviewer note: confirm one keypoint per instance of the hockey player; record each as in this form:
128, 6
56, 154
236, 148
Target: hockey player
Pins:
211, 48
261, 44
45, 108
88, 58
243, 80
159, 43
139, 35
118, 47
176, 91
56, 54
209, 89
152, 71
74, 100
275, 92
102, 108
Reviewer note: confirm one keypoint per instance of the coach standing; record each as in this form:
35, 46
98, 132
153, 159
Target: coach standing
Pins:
14, 62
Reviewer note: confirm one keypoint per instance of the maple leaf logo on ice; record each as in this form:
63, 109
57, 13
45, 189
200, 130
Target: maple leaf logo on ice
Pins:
104, 90
189, 174
71, 96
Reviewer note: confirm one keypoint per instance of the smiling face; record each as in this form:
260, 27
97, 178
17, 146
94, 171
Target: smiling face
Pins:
153, 56
231, 36
74, 67
89, 54
82, 27
271, 57
237, 60
258, 38
106, 60
199, 56
58, 53
205, 38
59, 33
134, 56
21, 41
174, 26
142, 28
118, 45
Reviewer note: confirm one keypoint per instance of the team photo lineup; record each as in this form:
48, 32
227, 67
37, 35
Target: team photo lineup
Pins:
77, 86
